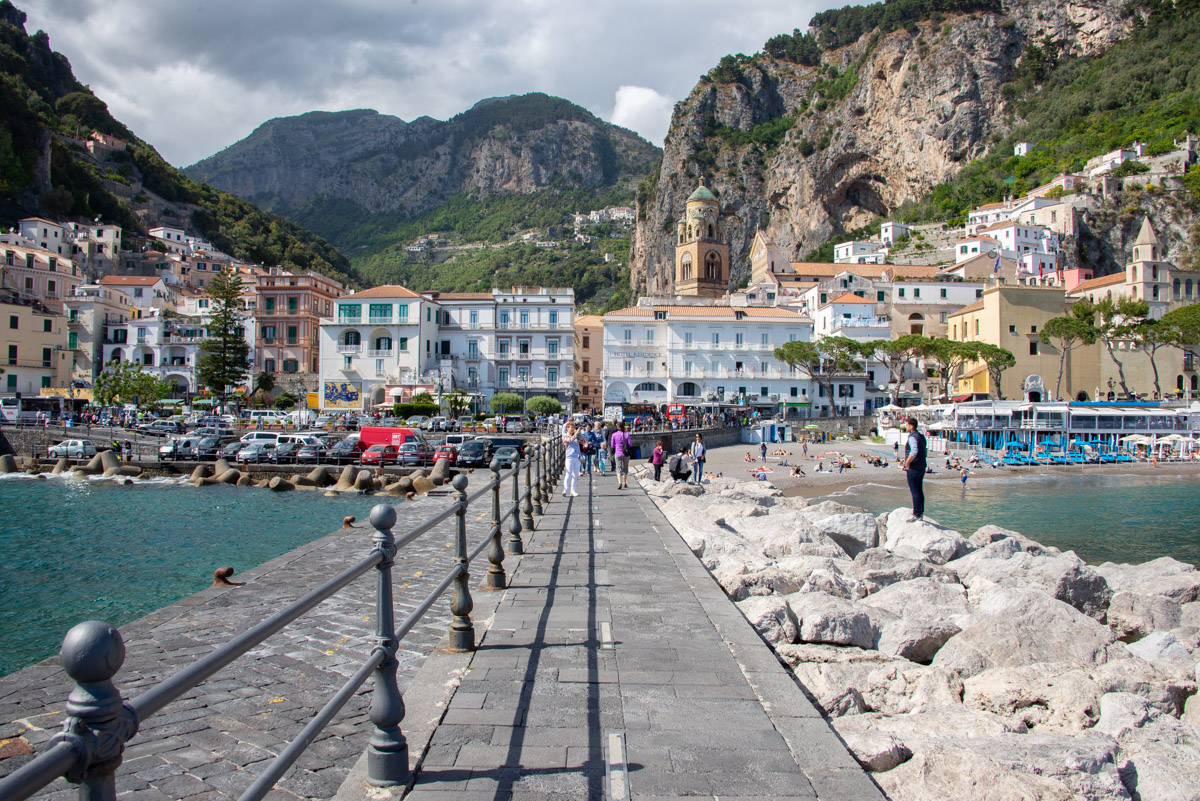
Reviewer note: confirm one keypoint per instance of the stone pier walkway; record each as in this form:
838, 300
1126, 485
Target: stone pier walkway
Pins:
615, 667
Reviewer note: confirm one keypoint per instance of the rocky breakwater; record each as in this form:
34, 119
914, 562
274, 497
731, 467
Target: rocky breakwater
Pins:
981, 667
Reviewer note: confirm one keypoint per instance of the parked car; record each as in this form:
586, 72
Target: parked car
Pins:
446, 451
312, 454
257, 451
285, 452
464, 422
458, 440
229, 450
207, 449
438, 424
476, 453
511, 442
161, 428
177, 448
415, 454
417, 421
507, 456
72, 449
380, 455
212, 431
345, 452
519, 424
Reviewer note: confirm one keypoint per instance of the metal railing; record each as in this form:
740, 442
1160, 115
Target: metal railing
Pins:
100, 721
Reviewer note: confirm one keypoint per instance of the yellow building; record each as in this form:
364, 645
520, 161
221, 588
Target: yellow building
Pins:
701, 255
589, 361
35, 347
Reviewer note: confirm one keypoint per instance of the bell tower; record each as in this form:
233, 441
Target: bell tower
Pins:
701, 256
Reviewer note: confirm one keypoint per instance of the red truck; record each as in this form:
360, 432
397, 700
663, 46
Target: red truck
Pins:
383, 435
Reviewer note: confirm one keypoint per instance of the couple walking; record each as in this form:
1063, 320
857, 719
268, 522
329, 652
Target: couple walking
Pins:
620, 446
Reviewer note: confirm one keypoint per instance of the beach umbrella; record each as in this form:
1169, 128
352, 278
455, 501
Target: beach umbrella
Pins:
1136, 439
891, 407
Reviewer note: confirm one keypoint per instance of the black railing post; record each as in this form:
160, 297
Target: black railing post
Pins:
536, 458
462, 630
515, 546
387, 751
99, 722
495, 578
547, 482
527, 504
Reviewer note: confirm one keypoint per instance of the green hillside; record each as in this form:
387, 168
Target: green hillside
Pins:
43, 106
1144, 89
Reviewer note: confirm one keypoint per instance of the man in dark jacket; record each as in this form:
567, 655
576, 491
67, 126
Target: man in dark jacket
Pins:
914, 466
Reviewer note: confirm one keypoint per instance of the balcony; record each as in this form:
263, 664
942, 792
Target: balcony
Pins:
345, 320
380, 320
377, 353
347, 348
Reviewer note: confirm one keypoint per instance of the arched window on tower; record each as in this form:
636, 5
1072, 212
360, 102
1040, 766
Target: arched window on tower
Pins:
685, 267
1175, 289
1155, 291
712, 267
710, 231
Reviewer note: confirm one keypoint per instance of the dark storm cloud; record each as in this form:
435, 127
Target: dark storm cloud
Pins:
193, 77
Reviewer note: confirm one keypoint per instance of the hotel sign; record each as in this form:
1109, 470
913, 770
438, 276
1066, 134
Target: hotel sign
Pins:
640, 354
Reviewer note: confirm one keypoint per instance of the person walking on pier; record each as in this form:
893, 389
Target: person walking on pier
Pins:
914, 466
697, 452
572, 451
622, 447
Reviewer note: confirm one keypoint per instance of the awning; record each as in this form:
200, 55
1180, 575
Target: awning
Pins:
960, 398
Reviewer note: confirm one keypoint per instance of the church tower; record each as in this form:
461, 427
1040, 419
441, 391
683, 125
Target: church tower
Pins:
701, 255
1148, 275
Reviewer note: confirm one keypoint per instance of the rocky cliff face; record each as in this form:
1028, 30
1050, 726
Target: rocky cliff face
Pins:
876, 124
384, 164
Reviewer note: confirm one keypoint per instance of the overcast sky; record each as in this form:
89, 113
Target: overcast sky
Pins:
194, 76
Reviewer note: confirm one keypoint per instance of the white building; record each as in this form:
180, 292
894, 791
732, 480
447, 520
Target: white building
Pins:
89, 311
147, 293
663, 351
36, 272
45, 234
172, 238
849, 316
1022, 149
520, 340
1113, 159
379, 341
859, 253
890, 232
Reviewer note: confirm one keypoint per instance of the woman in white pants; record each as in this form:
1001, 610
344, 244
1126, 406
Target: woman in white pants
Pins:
573, 456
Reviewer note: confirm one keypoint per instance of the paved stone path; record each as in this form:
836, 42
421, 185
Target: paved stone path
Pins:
214, 741
612, 630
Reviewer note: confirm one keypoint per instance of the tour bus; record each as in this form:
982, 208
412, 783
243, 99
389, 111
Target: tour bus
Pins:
677, 413
25, 410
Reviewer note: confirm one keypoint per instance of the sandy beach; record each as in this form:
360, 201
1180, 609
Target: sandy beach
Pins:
730, 461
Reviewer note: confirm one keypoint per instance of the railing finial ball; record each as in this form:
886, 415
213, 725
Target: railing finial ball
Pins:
383, 516
92, 651
460, 482
494, 466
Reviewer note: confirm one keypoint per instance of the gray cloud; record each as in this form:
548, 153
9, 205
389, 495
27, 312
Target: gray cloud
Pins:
194, 77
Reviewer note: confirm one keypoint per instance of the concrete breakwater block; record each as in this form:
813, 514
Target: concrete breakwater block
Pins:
319, 477
8, 464
245, 481
422, 485
62, 466
220, 466
441, 472
78, 475
280, 484
418, 473
201, 471
230, 476
346, 479
364, 481
133, 471
108, 460
332, 493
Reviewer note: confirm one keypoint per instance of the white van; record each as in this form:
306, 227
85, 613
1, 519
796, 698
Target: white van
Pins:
267, 416
260, 436
299, 439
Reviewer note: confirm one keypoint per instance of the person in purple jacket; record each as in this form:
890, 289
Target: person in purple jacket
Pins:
622, 447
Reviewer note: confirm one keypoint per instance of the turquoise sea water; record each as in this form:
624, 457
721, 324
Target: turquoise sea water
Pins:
1103, 518
95, 550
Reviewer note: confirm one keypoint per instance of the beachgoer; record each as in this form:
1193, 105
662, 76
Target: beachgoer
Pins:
656, 459
622, 447
762, 450
572, 443
914, 466
962, 474
698, 452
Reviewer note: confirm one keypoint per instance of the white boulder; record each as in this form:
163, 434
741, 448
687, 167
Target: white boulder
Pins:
1024, 627
1160, 646
853, 532
771, 617
1162, 753
928, 613
832, 582
876, 751
1132, 615
822, 618
1164, 576
876, 568
1063, 575
923, 539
